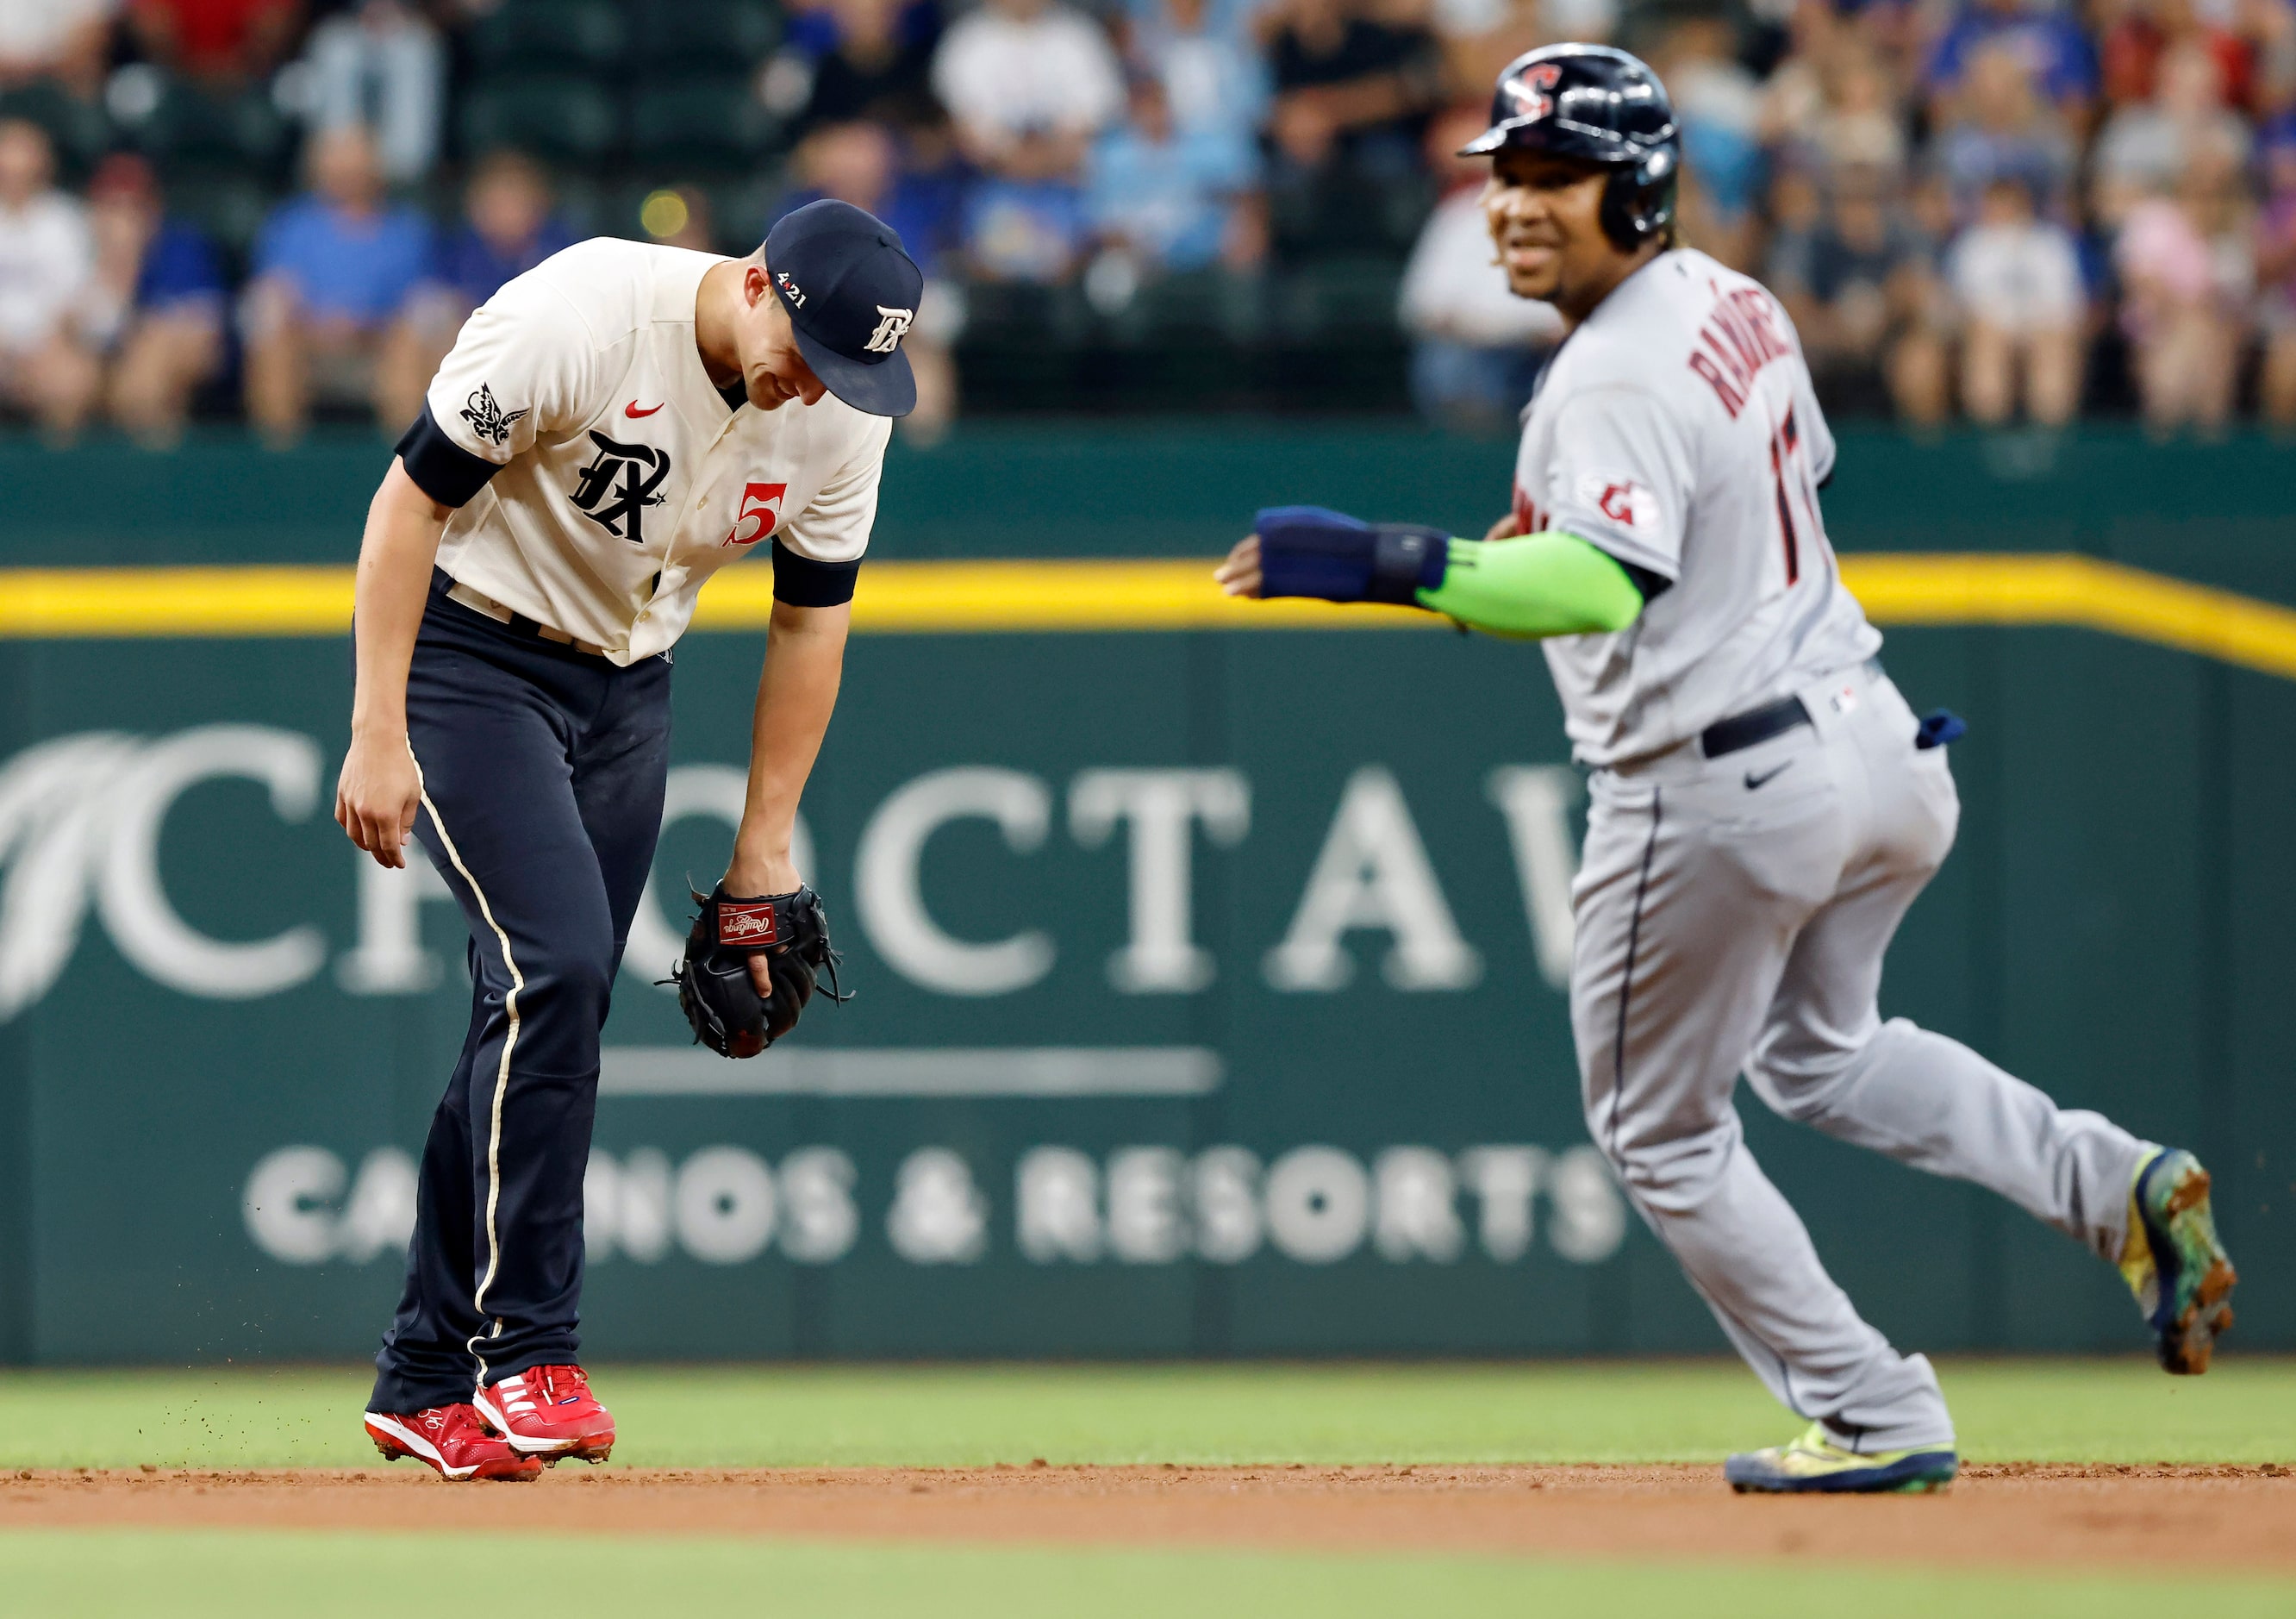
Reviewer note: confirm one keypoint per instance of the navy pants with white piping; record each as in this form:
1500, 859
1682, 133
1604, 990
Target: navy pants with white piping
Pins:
543, 772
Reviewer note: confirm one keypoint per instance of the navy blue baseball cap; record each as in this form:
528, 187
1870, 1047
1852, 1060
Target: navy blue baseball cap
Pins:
851, 293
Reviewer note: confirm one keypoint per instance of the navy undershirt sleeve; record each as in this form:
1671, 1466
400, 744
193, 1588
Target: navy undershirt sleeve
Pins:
803, 582
441, 468
1653, 586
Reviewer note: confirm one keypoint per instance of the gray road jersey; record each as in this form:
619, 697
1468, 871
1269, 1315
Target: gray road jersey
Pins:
1676, 429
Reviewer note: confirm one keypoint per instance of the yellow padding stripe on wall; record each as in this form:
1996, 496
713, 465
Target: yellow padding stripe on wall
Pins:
1054, 597
55, 603
2079, 592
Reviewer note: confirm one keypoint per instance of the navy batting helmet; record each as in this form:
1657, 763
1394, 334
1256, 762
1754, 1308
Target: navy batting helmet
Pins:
1600, 105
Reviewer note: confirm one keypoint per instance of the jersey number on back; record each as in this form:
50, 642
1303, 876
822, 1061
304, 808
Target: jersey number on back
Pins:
1790, 475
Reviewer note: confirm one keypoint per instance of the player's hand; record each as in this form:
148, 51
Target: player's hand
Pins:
1505, 528
775, 875
737, 1013
377, 796
1239, 575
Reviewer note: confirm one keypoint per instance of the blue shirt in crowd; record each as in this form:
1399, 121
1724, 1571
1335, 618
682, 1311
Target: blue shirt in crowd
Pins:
1024, 230
1172, 196
1216, 81
361, 268
476, 268
179, 267
1728, 162
2051, 44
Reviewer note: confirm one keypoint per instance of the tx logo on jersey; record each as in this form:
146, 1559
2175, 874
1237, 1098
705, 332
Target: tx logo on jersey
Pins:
488, 419
1531, 92
618, 485
892, 326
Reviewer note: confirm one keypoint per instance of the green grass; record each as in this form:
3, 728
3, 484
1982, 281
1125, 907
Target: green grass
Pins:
252, 1574
2062, 1410
2245, 1410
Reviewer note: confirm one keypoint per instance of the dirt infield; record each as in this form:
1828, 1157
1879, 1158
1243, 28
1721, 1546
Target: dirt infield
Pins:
2224, 1518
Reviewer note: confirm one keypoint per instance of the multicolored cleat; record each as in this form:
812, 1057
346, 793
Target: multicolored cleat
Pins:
2181, 1276
1814, 1465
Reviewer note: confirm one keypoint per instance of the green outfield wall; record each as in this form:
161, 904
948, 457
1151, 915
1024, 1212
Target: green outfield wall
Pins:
1207, 980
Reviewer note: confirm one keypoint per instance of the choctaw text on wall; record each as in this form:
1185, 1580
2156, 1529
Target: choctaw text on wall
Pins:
1210, 1001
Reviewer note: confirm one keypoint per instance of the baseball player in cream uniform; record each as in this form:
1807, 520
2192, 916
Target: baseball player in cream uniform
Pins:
1764, 806
611, 428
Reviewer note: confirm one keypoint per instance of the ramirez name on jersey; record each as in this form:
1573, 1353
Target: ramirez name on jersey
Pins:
1677, 429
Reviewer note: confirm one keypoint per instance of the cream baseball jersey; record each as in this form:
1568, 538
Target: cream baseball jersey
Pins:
1676, 429
625, 478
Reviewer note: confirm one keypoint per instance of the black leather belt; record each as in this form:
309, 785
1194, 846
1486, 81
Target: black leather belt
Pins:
1760, 724
1755, 724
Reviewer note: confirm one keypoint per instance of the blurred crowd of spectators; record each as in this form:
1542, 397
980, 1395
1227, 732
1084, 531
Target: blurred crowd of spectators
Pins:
1973, 206
1993, 208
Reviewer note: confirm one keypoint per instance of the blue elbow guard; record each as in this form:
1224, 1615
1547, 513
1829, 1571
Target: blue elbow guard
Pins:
1314, 551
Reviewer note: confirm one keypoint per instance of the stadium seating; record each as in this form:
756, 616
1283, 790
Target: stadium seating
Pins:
524, 36
79, 129
694, 126
193, 132
672, 36
559, 116
230, 205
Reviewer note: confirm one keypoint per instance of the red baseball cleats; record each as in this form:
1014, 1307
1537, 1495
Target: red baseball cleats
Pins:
452, 1441
549, 1413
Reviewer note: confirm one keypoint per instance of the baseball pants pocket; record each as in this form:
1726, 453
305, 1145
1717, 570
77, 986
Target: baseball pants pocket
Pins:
1787, 841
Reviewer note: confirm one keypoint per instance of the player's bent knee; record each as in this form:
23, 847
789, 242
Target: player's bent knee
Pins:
572, 984
1671, 1172
1808, 1082
561, 1008
1803, 1093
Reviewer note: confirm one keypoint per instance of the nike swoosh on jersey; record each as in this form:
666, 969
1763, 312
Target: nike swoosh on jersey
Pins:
632, 411
1754, 781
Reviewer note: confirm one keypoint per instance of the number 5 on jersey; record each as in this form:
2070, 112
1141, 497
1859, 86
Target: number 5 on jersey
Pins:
761, 509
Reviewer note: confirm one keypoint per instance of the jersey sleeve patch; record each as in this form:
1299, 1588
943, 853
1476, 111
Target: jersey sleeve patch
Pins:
1634, 508
441, 468
802, 582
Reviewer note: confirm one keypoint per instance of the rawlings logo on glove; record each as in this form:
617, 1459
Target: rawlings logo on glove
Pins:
716, 988
746, 923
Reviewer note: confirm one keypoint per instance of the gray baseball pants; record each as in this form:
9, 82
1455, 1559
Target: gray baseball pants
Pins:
1732, 915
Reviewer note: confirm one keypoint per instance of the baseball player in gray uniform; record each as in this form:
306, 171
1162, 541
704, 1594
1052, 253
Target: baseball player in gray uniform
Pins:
1764, 806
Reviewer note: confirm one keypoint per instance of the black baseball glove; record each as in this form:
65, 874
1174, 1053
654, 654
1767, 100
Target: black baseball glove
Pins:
715, 990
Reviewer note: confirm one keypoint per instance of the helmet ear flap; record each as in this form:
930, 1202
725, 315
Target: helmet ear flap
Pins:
1621, 219
1638, 201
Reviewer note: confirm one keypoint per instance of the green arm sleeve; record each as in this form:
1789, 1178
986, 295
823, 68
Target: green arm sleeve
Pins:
1533, 587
